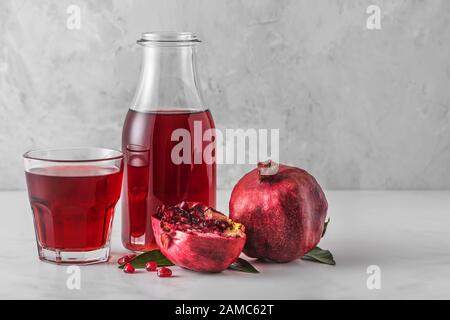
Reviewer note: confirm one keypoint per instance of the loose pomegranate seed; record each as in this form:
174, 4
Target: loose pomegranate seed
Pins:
151, 266
164, 272
125, 259
128, 268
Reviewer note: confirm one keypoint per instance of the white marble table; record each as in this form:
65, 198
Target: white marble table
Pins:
405, 233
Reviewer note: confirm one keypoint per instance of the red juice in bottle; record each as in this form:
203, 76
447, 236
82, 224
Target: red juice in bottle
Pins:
73, 206
152, 178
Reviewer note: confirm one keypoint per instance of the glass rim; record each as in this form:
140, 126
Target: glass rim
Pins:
168, 37
137, 148
117, 155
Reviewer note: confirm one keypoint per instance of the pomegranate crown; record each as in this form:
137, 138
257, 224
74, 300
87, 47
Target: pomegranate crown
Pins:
267, 169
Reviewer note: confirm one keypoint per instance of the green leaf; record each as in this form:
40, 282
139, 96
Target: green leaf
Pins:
319, 255
154, 255
325, 226
243, 266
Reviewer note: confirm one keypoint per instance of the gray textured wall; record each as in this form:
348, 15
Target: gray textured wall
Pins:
358, 108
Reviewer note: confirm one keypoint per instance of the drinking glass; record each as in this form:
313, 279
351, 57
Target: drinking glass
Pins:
73, 194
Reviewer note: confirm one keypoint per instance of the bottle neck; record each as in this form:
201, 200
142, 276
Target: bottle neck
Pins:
168, 80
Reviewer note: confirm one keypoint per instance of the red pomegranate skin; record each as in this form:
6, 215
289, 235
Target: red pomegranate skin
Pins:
283, 214
198, 252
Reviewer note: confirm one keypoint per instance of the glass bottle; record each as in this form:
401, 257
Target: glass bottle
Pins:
167, 98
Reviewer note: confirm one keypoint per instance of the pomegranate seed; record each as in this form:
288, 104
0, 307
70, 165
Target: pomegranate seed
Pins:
128, 268
164, 272
151, 266
125, 259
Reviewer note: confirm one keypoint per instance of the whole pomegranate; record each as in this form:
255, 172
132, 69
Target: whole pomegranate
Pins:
196, 237
283, 209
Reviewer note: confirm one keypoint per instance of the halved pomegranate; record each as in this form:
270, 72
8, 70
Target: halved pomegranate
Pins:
196, 237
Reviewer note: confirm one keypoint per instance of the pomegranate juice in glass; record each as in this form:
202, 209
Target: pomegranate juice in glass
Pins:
73, 194
167, 105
